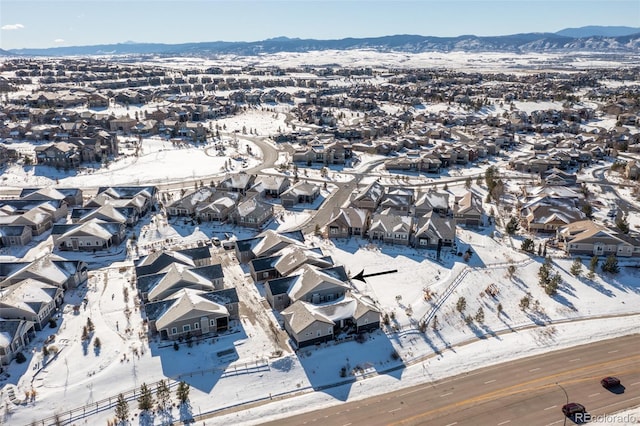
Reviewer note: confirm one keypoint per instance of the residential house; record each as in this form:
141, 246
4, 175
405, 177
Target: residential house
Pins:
310, 324
187, 205
467, 209
88, 236
31, 300
271, 186
59, 272
177, 276
192, 313
300, 193
397, 199
348, 221
237, 182
431, 201
71, 196
106, 213
267, 243
217, 210
287, 260
309, 284
550, 215
391, 228
585, 237
368, 197
15, 334
632, 170
15, 235
434, 231
251, 213
58, 154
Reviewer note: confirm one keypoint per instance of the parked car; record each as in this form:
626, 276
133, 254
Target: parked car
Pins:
573, 408
610, 382
216, 241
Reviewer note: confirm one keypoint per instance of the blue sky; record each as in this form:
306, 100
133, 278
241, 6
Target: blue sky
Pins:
49, 23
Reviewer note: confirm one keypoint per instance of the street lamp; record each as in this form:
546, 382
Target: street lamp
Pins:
567, 397
563, 390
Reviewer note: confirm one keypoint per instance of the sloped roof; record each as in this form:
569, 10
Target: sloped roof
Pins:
299, 316
351, 216
189, 304
390, 223
309, 279
178, 276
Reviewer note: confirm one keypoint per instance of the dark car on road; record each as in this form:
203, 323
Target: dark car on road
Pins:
573, 408
610, 382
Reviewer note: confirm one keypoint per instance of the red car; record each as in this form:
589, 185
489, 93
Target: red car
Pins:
610, 382
573, 408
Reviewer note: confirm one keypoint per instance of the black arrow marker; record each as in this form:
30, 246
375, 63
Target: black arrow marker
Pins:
361, 276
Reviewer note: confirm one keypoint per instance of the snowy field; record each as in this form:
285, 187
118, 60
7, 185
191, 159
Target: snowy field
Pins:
245, 365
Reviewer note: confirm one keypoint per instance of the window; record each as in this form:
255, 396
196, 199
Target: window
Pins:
186, 328
265, 274
174, 330
196, 326
212, 322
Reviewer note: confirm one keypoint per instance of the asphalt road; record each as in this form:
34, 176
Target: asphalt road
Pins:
529, 391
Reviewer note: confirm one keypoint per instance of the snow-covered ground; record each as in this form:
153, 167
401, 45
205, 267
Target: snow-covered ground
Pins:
245, 365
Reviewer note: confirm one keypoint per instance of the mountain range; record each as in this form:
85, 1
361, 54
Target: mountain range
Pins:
584, 39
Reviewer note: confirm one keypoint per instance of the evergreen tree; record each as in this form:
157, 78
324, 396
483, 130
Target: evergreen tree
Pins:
593, 263
97, 343
512, 226
163, 394
182, 393
90, 326
611, 264
499, 308
467, 183
145, 400
622, 224
527, 245
552, 286
576, 267
122, 409
480, 315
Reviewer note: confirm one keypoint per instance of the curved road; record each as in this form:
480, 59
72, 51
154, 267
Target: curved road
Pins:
529, 391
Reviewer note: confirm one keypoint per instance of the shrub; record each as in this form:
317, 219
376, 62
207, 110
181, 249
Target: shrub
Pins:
52, 323
20, 358
461, 305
